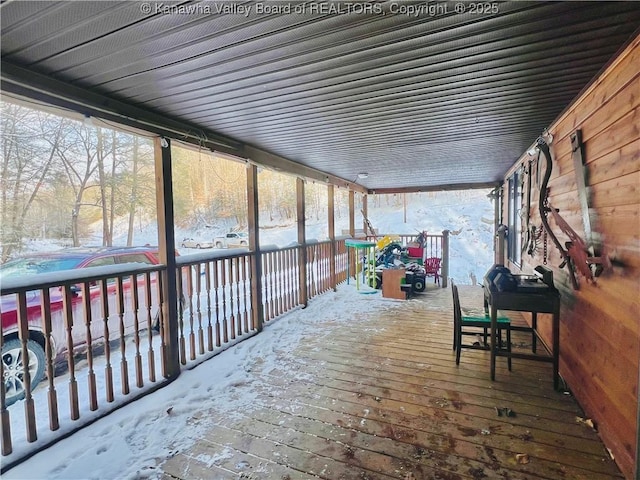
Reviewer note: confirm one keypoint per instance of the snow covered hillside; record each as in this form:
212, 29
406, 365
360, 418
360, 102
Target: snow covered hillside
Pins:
468, 215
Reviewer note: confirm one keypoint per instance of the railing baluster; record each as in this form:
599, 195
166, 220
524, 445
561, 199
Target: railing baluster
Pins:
266, 285
91, 376
124, 366
287, 280
135, 306
49, 354
150, 326
315, 269
312, 270
216, 286
238, 291
161, 323
325, 270
282, 277
207, 277
325, 267
321, 268
108, 370
199, 310
7, 445
245, 314
223, 281
232, 318
182, 341
272, 281
277, 282
67, 305
249, 299
23, 335
192, 333
295, 274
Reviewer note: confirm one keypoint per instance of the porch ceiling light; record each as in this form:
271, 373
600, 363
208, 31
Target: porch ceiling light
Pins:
363, 175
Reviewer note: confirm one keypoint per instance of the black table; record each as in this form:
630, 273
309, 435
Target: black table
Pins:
535, 298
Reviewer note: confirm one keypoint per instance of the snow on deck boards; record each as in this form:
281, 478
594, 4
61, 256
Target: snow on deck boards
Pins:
381, 397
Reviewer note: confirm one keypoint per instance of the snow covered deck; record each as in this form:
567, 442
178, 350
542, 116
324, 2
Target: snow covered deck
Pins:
361, 387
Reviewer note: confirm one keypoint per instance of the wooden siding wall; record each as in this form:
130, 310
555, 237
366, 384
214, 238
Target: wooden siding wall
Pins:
600, 323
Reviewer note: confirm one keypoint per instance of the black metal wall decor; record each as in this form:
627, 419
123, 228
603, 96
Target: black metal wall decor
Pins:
588, 259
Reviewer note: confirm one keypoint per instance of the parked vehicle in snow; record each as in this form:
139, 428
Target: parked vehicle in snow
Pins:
69, 259
232, 240
191, 243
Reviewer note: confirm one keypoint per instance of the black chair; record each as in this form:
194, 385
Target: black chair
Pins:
476, 326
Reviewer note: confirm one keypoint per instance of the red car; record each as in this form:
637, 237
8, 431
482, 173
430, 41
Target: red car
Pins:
68, 259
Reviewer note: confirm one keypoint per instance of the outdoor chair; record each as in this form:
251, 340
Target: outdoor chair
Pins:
432, 268
478, 327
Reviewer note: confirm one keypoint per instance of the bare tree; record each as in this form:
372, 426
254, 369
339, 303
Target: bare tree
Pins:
134, 190
80, 164
29, 140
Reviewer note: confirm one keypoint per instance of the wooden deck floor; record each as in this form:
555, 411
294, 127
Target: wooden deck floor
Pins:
382, 398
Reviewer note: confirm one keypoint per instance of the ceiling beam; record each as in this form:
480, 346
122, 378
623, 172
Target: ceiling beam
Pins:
435, 188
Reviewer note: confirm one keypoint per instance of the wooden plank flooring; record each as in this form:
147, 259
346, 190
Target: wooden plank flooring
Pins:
380, 397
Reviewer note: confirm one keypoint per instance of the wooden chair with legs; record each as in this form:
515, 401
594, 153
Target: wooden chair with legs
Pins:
478, 327
432, 268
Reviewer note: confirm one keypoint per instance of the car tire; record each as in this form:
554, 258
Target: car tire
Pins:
243, 243
12, 364
218, 245
198, 246
184, 246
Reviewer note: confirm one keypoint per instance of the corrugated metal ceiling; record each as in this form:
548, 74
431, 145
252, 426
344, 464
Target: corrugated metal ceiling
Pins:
418, 101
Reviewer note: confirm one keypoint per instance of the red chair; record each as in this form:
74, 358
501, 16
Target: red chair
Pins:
432, 268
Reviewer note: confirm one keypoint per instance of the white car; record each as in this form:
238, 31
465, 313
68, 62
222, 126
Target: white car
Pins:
191, 243
232, 240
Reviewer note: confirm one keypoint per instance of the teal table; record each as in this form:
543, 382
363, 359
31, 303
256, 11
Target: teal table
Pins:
367, 250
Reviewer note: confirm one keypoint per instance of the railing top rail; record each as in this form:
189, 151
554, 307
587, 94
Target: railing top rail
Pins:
71, 277
410, 234
276, 248
200, 257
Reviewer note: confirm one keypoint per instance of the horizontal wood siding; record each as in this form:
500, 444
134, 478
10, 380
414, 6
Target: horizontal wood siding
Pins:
600, 329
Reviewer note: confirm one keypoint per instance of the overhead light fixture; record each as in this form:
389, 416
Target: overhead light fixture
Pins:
363, 175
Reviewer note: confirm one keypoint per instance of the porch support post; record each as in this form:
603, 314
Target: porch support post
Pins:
302, 240
445, 258
332, 235
352, 217
365, 215
167, 255
253, 227
351, 259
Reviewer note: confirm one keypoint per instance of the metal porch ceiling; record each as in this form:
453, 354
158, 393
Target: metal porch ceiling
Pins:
424, 101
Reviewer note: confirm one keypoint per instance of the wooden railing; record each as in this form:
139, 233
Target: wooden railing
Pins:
102, 315
113, 321
280, 284
433, 245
